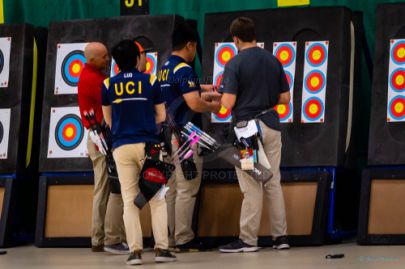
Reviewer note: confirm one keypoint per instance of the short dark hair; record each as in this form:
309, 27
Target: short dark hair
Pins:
243, 28
183, 34
125, 54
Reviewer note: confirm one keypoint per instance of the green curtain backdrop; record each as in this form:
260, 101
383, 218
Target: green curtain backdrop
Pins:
41, 12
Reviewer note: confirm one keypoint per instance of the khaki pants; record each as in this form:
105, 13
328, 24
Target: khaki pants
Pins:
129, 160
180, 199
107, 222
253, 191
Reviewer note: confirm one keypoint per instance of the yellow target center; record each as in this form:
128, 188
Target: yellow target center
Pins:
401, 53
316, 55
284, 55
76, 68
226, 56
223, 110
313, 109
315, 81
399, 107
69, 132
399, 80
281, 109
147, 66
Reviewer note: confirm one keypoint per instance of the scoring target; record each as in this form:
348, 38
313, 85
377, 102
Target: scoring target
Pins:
224, 53
5, 47
224, 115
284, 112
151, 63
5, 115
69, 132
313, 109
114, 68
316, 55
397, 80
314, 81
398, 52
285, 53
70, 62
67, 136
397, 108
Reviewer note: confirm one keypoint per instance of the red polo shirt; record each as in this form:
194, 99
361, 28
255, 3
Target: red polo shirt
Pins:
89, 92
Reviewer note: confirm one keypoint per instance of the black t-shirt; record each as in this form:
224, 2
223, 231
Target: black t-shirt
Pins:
257, 78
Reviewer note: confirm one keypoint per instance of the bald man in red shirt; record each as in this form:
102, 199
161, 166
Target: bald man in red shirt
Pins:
108, 232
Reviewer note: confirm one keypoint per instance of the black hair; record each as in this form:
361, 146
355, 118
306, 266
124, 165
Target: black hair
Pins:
243, 28
125, 54
183, 34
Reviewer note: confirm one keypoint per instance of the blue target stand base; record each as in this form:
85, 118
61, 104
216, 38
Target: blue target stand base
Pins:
17, 209
64, 209
382, 215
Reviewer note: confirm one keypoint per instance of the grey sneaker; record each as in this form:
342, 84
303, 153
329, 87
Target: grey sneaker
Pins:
164, 255
135, 258
118, 249
238, 246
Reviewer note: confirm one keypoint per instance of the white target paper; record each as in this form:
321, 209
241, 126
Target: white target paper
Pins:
5, 115
67, 136
314, 82
5, 47
396, 81
69, 63
286, 53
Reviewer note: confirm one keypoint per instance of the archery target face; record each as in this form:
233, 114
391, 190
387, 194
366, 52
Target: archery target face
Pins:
396, 81
67, 136
5, 47
224, 115
70, 62
5, 115
114, 68
151, 63
315, 82
224, 52
286, 53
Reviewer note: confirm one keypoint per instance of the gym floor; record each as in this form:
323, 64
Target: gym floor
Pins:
356, 257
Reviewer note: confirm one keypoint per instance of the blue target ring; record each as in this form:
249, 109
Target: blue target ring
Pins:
320, 106
324, 56
222, 119
221, 50
315, 73
72, 66
69, 132
395, 59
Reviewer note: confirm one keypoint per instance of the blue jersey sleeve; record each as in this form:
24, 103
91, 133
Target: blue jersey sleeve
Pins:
157, 91
105, 100
186, 78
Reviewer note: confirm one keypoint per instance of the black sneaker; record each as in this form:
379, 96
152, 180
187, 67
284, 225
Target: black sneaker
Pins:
135, 258
281, 243
118, 249
238, 246
164, 255
191, 246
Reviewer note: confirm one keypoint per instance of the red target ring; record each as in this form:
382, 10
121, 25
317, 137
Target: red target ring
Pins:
224, 54
397, 80
398, 53
284, 111
315, 81
313, 109
150, 64
285, 54
69, 132
218, 79
116, 69
397, 108
316, 54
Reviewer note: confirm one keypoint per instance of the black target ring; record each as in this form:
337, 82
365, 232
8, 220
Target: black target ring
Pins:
1, 132
1, 61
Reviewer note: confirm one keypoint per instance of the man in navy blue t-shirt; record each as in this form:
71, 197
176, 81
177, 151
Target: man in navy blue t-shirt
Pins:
132, 106
184, 101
